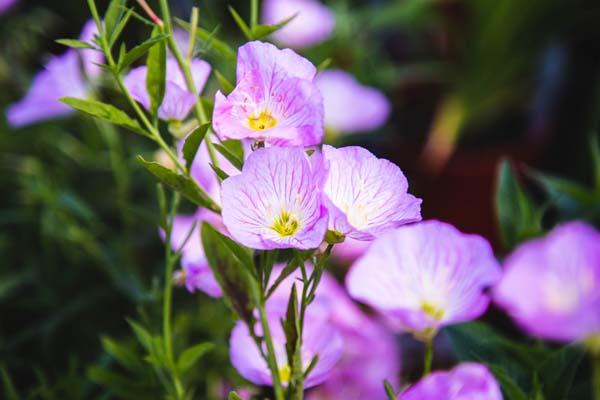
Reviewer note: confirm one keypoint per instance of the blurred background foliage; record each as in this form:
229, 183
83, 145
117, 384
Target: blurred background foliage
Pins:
472, 82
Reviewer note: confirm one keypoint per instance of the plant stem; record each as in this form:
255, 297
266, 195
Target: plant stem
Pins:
596, 376
253, 14
428, 357
168, 301
271, 359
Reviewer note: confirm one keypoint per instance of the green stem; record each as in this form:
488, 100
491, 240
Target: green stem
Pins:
253, 14
168, 302
596, 376
428, 357
271, 360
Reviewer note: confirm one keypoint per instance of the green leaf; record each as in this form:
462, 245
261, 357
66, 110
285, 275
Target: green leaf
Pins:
241, 23
558, 372
233, 396
226, 86
192, 143
189, 356
75, 44
222, 175
232, 272
10, 393
291, 266
517, 216
120, 26
203, 36
511, 390
113, 16
132, 55
233, 151
324, 64
595, 149
117, 384
125, 356
106, 112
260, 31
389, 390
142, 335
180, 183
157, 72
290, 327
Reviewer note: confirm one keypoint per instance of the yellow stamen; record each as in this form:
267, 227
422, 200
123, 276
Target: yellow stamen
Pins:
286, 224
432, 311
285, 373
262, 121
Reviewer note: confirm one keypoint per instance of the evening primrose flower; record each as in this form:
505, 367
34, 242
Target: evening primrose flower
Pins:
196, 273
467, 381
5, 5
551, 285
349, 106
275, 100
312, 24
276, 202
178, 101
62, 77
366, 196
425, 276
319, 338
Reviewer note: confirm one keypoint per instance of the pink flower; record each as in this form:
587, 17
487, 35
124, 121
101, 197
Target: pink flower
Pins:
366, 196
275, 99
313, 23
425, 276
318, 338
276, 202
551, 285
5, 5
349, 106
178, 101
467, 381
62, 77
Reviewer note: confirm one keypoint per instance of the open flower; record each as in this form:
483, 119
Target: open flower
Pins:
425, 276
62, 77
467, 381
349, 106
551, 285
319, 338
275, 99
276, 202
312, 24
366, 195
178, 101
196, 273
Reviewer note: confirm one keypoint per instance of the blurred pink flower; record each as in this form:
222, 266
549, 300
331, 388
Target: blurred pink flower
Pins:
62, 77
5, 5
551, 285
275, 99
314, 22
425, 276
467, 381
349, 106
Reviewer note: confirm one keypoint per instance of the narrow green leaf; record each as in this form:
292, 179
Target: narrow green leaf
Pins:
222, 175
125, 356
162, 205
192, 143
95, 15
233, 396
290, 326
10, 392
324, 64
291, 266
558, 372
241, 23
389, 390
180, 183
226, 86
119, 385
206, 37
228, 149
189, 356
75, 44
143, 336
239, 287
106, 112
595, 149
113, 16
120, 26
260, 31
517, 216
157, 72
511, 390
139, 50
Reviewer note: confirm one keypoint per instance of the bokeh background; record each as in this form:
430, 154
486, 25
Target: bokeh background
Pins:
471, 82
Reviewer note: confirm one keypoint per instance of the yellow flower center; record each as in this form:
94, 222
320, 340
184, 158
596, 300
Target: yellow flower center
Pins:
285, 374
432, 311
286, 224
262, 121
